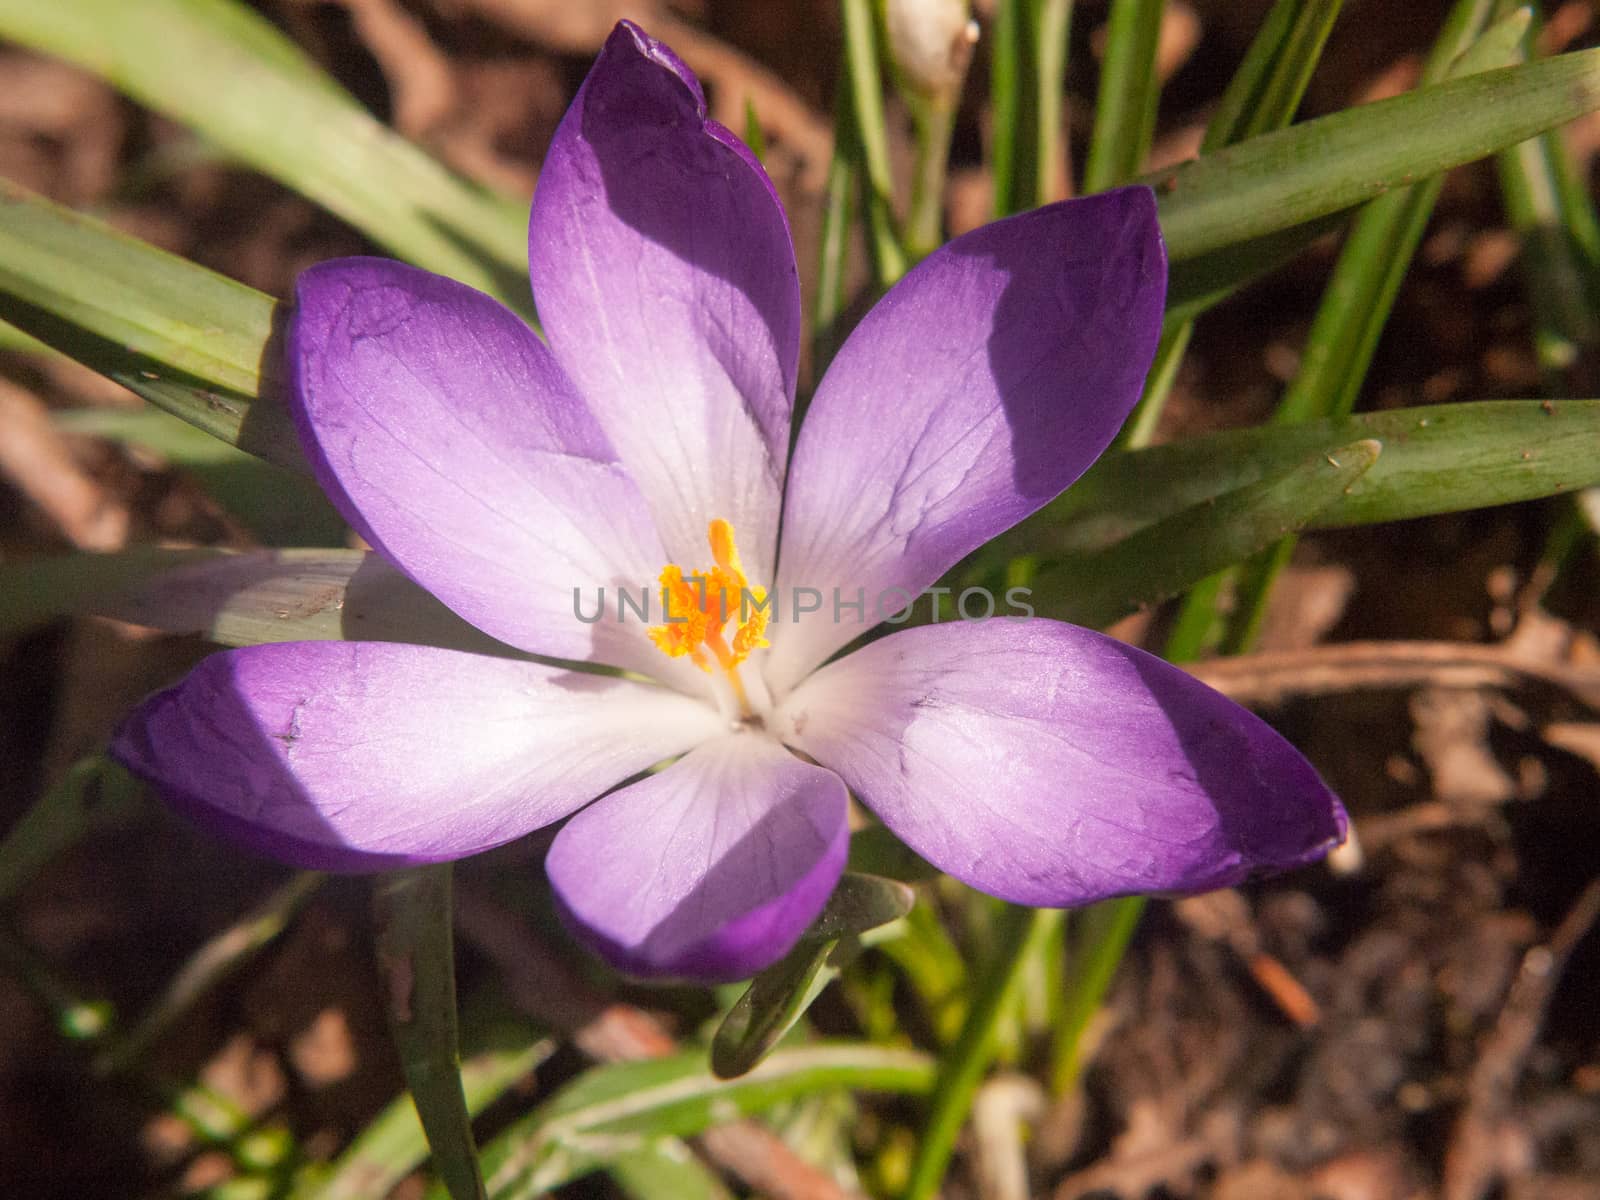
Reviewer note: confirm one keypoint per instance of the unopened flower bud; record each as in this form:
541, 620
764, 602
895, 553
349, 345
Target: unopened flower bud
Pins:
931, 42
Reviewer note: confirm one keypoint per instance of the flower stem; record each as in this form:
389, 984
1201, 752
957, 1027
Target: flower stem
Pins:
925, 217
1092, 963
1125, 115
1016, 935
866, 96
416, 957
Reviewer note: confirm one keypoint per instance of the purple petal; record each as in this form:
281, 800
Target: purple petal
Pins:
979, 388
449, 437
356, 756
1051, 765
709, 870
666, 282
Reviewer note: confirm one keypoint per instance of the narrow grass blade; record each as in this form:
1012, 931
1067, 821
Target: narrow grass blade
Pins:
1163, 559
1013, 942
767, 1009
1007, 85
1262, 96
1319, 167
833, 246
871, 130
1130, 92
1049, 24
608, 1109
1356, 304
1376, 256
188, 340
416, 956
219, 958
1027, 79
1102, 933
225, 71
1267, 88
1197, 284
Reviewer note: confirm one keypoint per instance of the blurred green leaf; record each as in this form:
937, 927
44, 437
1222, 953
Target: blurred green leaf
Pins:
1436, 459
188, 340
1163, 559
281, 508
238, 599
780, 995
875, 850
416, 958
665, 1169
609, 1109
1323, 166
392, 1144
225, 71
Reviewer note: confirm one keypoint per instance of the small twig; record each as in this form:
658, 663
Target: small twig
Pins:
545, 987
1471, 1163
1274, 677
1224, 916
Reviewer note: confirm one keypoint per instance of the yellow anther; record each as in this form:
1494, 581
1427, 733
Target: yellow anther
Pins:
700, 606
723, 549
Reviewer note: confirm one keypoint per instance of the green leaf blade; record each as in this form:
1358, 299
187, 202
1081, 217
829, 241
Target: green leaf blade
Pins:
1319, 167
225, 71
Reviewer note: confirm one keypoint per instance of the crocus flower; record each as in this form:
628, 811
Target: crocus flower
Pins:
647, 441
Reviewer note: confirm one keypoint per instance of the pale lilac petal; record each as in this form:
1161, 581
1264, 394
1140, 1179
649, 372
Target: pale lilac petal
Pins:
356, 756
666, 284
709, 870
979, 388
449, 437
1051, 765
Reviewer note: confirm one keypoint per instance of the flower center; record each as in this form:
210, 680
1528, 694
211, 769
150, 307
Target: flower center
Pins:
715, 616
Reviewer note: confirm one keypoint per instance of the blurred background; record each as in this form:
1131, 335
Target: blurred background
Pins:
1418, 1019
